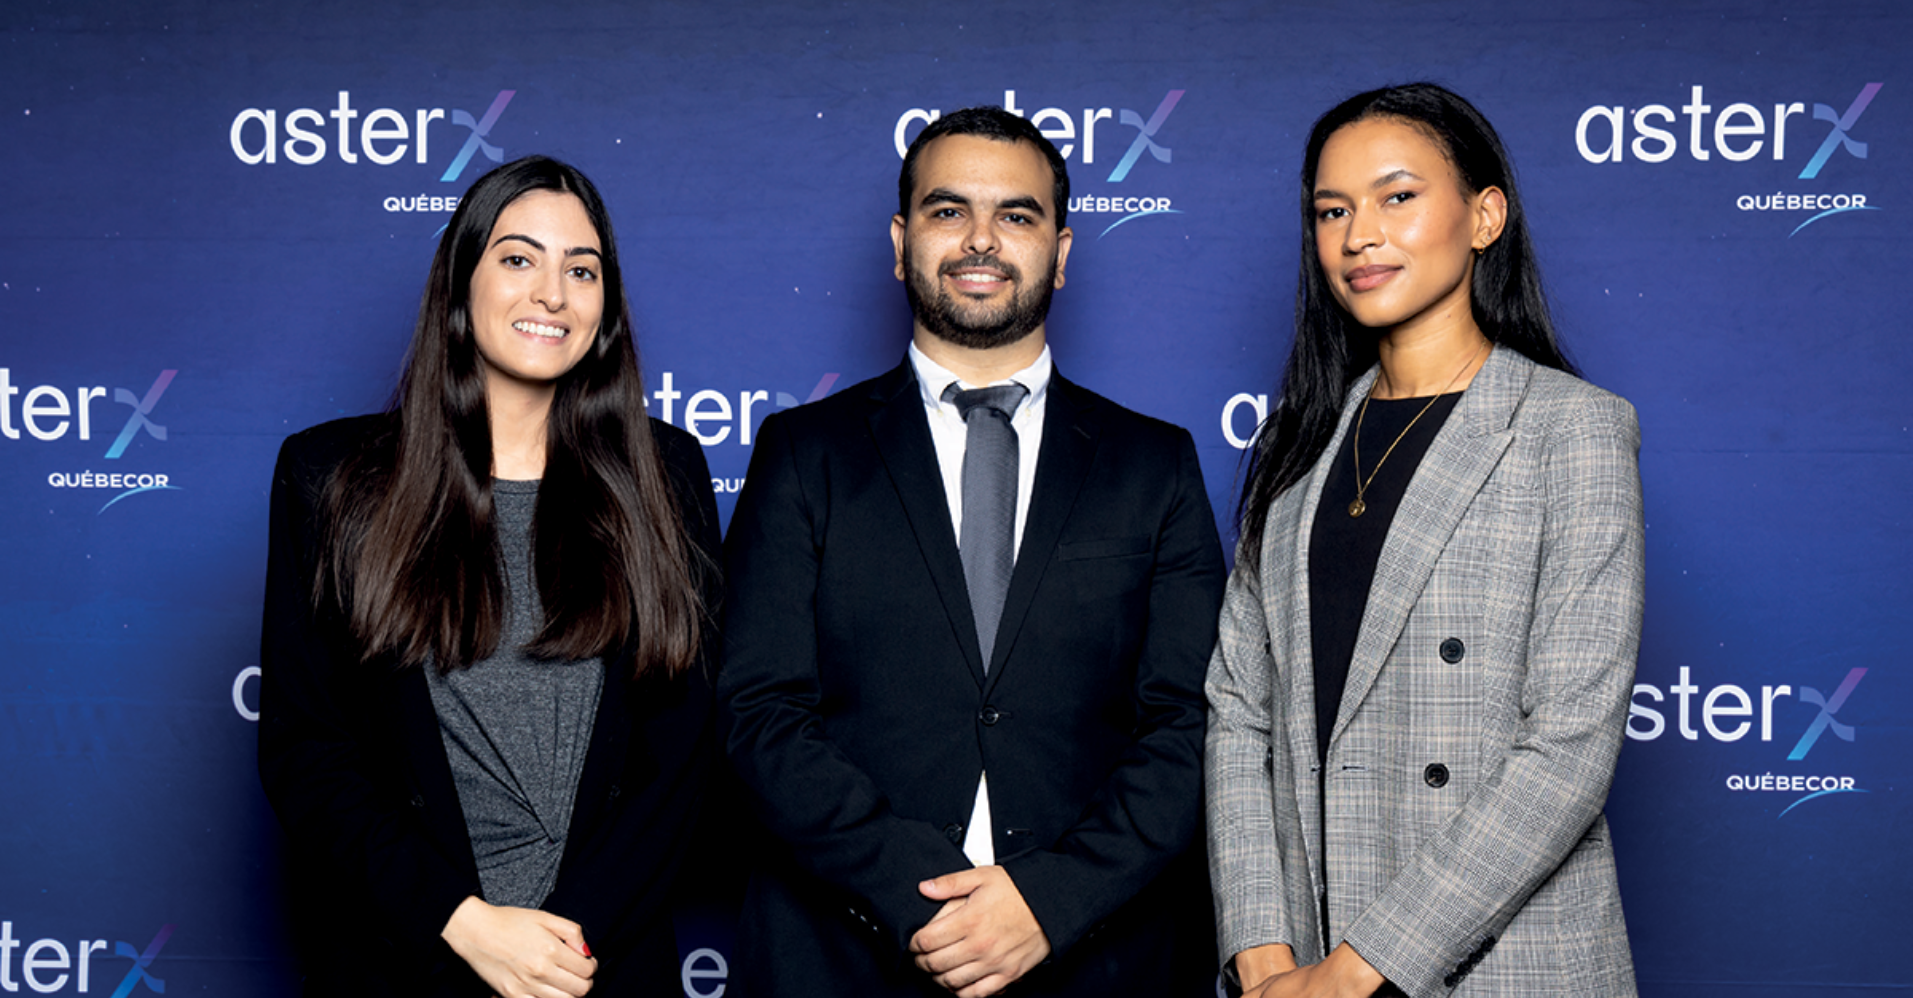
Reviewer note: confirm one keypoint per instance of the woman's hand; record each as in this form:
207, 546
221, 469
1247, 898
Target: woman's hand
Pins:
1343, 975
1254, 966
521, 952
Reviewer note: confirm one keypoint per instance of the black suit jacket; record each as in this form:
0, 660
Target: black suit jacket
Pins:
860, 712
351, 757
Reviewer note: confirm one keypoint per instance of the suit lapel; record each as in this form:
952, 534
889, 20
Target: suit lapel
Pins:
1285, 574
410, 700
1070, 432
606, 755
902, 435
1463, 454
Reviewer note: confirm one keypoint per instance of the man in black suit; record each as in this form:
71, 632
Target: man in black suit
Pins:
963, 807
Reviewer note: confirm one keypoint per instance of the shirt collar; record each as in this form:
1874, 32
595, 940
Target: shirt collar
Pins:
933, 377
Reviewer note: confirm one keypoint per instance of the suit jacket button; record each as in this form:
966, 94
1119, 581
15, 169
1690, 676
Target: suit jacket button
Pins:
1452, 650
1436, 775
954, 832
989, 715
418, 800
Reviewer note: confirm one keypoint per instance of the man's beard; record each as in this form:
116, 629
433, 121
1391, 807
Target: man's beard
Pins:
969, 324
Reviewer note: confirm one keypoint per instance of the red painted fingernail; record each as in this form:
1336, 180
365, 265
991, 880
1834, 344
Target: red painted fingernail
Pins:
587, 947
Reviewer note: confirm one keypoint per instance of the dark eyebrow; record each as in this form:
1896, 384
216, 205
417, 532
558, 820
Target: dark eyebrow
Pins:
540, 247
1024, 203
943, 195
1324, 194
527, 240
1394, 175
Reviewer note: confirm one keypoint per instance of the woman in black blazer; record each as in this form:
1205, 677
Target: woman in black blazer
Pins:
484, 719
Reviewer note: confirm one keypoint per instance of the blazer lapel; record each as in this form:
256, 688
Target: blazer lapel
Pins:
437, 793
1285, 574
1070, 432
605, 757
1466, 450
902, 435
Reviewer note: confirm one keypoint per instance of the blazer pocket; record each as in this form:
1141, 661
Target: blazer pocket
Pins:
1501, 491
1112, 547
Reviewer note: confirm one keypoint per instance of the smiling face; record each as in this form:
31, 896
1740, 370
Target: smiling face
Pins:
979, 253
537, 297
1395, 232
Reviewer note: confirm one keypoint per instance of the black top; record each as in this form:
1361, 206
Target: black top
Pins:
1343, 549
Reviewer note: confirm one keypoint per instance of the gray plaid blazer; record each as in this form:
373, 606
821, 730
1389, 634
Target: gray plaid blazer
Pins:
1461, 848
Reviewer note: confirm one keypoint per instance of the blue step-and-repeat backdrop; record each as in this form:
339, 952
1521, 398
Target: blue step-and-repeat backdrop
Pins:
218, 217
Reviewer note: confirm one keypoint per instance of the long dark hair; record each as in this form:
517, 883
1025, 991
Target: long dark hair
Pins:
1331, 350
412, 557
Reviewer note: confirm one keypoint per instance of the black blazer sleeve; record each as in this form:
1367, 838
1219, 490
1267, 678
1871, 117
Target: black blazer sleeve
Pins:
322, 762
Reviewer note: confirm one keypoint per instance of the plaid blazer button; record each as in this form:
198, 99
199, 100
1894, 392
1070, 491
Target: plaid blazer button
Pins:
1452, 650
1436, 775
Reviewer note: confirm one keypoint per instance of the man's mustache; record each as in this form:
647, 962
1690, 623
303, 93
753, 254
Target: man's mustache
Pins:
983, 261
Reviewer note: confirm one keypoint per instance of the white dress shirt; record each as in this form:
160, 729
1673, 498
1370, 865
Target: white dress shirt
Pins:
949, 433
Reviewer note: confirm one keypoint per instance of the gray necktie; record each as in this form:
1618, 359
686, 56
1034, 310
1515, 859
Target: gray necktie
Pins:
988, 541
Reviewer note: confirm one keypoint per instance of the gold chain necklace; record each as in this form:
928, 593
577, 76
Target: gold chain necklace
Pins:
1358, 507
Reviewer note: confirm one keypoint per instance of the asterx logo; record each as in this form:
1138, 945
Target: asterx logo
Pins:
48, 414
1145, 136
139, 974
1077, 137
481, 128
142, 407
1822, 722
1842, 124
1828, 707
1133, 208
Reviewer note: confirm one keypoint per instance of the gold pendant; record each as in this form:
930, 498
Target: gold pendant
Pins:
1357, 507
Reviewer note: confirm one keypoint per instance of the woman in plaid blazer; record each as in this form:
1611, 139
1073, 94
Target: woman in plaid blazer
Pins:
1428, 642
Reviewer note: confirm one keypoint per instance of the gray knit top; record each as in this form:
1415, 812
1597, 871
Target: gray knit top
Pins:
516, 730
